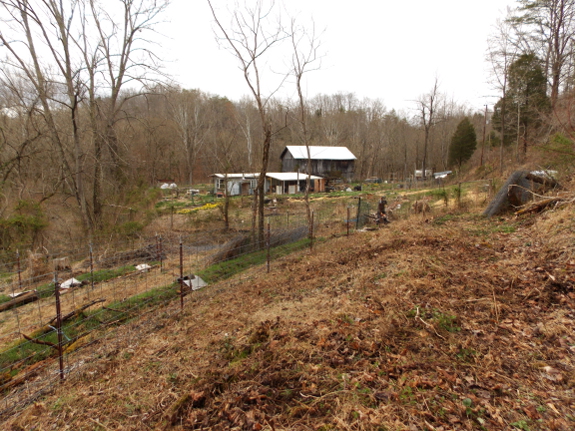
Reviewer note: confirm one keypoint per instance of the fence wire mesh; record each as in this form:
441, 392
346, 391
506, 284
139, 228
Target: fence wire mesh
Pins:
114, 302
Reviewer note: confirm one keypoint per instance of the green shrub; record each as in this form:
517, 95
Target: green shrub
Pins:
130, 229
24, 226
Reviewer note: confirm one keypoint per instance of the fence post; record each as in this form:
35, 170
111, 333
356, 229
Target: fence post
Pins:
91, 267
59, 324
157, 248
358, 213
19, 271
347, 221
311, 231
182, 284
19, 288
268, 245
161, 251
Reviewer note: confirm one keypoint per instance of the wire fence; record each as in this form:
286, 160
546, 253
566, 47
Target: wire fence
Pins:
59, 320
55, 316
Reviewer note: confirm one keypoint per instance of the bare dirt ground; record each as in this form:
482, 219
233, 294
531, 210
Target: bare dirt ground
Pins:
447, 323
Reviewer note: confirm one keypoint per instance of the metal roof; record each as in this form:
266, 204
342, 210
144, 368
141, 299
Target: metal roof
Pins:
320, 153
245, 176
280, 176
290, 176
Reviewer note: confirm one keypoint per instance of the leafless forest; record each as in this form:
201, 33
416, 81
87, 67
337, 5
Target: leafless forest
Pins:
89, 122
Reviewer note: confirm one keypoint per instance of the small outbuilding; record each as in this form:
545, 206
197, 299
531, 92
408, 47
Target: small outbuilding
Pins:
418, 174
276, 182
293, 182
237, 184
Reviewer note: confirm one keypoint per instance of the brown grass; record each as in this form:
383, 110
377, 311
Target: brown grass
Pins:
451, 323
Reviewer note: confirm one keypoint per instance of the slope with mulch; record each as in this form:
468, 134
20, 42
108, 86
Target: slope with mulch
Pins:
459, 323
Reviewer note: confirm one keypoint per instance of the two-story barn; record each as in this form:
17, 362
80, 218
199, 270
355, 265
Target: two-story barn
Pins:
327, 162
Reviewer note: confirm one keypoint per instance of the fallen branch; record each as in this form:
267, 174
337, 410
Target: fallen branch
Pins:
77, 311
25, 374
50, 326
538, 206
20, 300
37, 341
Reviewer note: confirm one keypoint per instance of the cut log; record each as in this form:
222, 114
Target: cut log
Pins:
20, 300
538, 206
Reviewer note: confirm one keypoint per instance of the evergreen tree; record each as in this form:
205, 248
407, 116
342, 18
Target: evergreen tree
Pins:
526, 100
463, 143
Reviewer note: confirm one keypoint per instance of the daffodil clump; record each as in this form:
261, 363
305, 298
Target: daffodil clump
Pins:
207, 206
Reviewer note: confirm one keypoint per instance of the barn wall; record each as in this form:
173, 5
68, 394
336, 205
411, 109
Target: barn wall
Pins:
324, 168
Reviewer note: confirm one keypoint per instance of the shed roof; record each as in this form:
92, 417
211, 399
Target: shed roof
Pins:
319, 152
245, 176
290, 176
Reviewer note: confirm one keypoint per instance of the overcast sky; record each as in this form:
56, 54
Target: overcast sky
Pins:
381, 49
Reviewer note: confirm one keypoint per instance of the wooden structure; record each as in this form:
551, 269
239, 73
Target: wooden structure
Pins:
276, 182
237, 184
293, 182
326, 162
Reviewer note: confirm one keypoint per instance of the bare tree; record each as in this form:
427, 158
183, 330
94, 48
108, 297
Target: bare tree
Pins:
427, 107
77, 51
253, 33
188, 109
501, 54
49, 23
121, 55
245, 119
305, 46
547, 28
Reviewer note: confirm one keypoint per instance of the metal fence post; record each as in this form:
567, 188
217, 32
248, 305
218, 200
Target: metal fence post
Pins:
347, 221
19, 271
268, 245
19, 289
59, 324
358, 213
91, 267
157, 248
311, 231
182, 284
161, 251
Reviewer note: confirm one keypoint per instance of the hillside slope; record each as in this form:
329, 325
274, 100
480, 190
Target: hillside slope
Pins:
453, 324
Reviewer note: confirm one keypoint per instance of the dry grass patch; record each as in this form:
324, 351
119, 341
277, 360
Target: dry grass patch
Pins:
413, 326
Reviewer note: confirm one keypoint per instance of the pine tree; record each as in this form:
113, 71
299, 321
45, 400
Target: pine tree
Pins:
463, 143
526, 101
